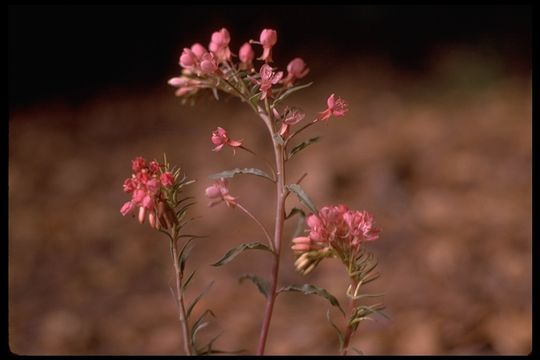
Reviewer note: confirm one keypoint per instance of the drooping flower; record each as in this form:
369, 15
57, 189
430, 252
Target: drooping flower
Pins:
296, 69
220, 138
219, 192
268, 39
268, 78
336, 107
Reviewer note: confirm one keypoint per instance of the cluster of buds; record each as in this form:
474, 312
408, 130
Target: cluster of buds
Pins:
201, 67
146, 186
333, 231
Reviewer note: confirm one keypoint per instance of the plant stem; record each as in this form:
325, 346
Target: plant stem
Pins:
180, 299
278, 231
246, 211
350, 330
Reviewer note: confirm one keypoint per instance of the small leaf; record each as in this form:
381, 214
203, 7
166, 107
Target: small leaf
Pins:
262, 284
196, 300
339, 334
301, 220
185, 284
233, 172
289, 92
308, 289
198, 325
302, 196
359, 352
302, 146
232, 253
294, 211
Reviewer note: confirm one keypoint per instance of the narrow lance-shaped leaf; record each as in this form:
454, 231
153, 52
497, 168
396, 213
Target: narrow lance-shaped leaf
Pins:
196, 300
186, 282
302, 196
289, 92
308, 289
233, 172
199, 324
301, 220
262, 284
338, 332
232, 253
302, 146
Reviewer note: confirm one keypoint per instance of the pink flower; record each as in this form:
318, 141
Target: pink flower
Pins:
338, 228
167, 179
185, 85
268, 78
290, 117
198, 50
336, 107
246, 56
220, 139
126, 208
296, 69
188, 59
208, 64
145, 186
268, 39
219, 192
301, 244
219, 45
138, 163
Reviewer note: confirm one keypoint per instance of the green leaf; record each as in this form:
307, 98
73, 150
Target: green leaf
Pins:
302, 196
308, 289
301, 220
262, 284
199, 324
196, 300
232, 253
185, 284
184, 253
338, 332
233, 172
302, 146
289, 92
359, 352
294, 211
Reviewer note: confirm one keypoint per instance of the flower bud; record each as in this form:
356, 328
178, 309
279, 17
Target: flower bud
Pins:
246, 53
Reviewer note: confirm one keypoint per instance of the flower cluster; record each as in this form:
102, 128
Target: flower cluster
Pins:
202, 66
146, 185
334, 231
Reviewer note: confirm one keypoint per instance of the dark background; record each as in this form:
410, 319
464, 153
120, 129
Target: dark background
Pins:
72, 52
436, 145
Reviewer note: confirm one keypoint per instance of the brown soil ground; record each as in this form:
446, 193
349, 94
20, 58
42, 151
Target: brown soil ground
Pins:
442, 159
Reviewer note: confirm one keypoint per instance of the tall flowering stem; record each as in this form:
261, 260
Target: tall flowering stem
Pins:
263, 90
155, 190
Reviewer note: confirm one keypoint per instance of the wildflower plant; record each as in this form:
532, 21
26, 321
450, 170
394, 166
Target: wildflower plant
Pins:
332, 231
156, 193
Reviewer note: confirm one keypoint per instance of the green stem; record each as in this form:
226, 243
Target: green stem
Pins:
180, 298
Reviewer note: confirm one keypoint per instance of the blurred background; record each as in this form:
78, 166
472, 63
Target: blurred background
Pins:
437, 145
